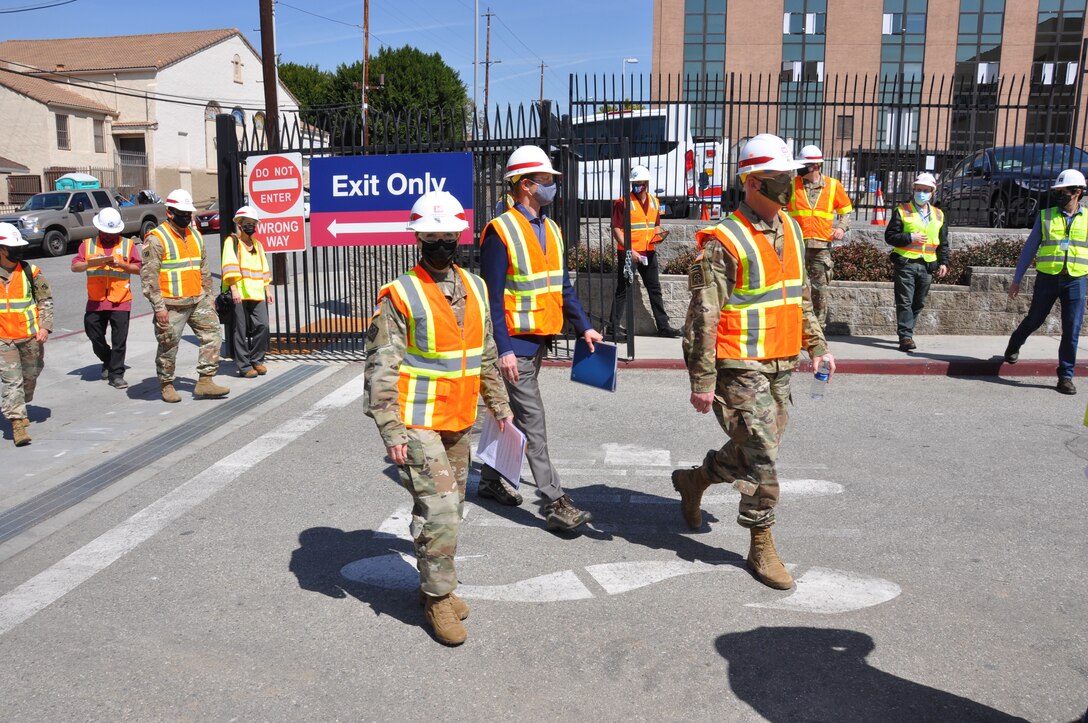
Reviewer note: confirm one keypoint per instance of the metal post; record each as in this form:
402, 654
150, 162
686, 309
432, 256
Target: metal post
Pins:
271, 116
366, 68
230, 172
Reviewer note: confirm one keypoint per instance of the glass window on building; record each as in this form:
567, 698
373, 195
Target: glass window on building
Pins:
704, 64
804, 24
1054, 71
973, 122
902, 53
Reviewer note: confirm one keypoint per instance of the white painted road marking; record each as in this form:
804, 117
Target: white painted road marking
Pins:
827, 591
58, 580
633, 455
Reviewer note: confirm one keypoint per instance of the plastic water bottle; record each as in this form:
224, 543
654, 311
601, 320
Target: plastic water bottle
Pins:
819, 380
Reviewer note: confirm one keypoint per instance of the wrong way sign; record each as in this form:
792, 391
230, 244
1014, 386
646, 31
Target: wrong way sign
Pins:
274, 187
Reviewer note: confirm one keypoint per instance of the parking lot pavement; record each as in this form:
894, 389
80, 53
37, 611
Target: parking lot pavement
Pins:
934, 526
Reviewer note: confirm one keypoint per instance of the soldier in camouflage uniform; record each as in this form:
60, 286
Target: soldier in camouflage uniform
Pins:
425, 435
26, 320
750, 314
177, 281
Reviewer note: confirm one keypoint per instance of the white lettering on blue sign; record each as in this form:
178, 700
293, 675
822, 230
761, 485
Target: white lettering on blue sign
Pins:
400, 184
343, 186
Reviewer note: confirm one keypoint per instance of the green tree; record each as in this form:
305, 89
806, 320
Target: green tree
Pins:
310, 85
414, 80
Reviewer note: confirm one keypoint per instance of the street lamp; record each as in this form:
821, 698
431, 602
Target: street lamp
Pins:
623, 68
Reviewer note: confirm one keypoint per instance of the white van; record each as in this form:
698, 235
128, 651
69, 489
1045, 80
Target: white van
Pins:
687, 174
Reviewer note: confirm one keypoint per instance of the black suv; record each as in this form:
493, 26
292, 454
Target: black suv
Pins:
1005, 187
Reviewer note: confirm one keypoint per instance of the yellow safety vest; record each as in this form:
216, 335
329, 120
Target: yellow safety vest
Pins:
912, 223
1051, 258
245, 270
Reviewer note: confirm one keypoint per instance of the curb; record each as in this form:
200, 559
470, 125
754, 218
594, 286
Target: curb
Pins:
905, 367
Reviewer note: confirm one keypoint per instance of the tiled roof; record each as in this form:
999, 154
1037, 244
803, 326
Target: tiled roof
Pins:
49, 93
9, 166
111, 53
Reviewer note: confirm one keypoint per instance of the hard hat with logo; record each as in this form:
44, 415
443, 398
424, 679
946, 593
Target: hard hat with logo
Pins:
812, 154
109, 220
180, 200
766, 152
926, 178
640, 174
437, 212
1068, 178
247, 212
528, 159
10, 236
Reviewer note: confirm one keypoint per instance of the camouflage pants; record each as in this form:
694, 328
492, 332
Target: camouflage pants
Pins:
820, 268
752, 408
204, 322
436, 474
21, 361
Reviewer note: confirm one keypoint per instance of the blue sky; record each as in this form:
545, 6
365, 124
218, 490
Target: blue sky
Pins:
595, 40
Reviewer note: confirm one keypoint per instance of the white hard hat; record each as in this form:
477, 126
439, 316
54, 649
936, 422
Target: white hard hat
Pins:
640, 174
109, 220
1070, 177
247, 212
180, 200
437, 212
926, 179
812, 154
528, 159
10, 236
766, 152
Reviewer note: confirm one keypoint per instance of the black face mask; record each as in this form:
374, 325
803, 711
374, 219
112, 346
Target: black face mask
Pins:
1061, 198
777, 190
249, 228
182, 218
806, 170
439, 254
15, 253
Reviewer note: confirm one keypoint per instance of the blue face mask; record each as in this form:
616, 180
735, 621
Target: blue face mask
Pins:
922, 197
544, 194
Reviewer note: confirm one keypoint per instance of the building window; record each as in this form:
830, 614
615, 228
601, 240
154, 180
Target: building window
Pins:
704, 63
1054, 70
237, 63
844, 127
99, 136
239, 116
804, 23
64, 142
902, 56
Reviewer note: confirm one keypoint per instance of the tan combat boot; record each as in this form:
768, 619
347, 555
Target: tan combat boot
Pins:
442, 617
18, 432
169, 394
763, 560
205, 387
691, 483
459, 605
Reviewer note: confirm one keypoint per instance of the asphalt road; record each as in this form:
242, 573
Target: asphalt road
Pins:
935, 527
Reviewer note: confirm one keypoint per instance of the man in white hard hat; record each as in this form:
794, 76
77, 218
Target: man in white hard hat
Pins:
523, 263
108, 259
177, 280
646, 232
919, 235
1058, 243
26, 320
821, 207
423, 388
749, 318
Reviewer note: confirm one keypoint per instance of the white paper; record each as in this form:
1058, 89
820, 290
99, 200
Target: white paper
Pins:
503, 451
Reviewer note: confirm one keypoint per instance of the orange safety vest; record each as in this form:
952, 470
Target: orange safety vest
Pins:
762, 318
439, 384
533, 294
106, 284
179, 274
643, 224
816, 222
18, 308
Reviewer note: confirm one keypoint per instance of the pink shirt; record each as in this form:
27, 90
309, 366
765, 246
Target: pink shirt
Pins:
106, 305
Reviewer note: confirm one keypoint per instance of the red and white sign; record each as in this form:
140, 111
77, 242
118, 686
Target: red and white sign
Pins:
274, 186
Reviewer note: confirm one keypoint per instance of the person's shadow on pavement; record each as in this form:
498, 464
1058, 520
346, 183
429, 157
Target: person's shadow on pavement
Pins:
817, 674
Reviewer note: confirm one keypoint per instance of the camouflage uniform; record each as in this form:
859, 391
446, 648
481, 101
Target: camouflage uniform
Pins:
196, 311
818, 255
438, 461
750, 396
22, 360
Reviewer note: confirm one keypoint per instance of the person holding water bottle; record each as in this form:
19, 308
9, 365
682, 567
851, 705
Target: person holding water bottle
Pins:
749, 317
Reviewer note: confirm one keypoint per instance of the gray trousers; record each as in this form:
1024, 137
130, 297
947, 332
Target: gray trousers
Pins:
528, 410
249, 334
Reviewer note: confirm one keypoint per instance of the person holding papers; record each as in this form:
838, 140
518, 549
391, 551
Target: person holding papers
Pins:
523, 263
430, 350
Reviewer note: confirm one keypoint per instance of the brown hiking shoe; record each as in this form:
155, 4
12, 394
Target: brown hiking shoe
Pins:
169, 394
442, 618
248, 374
205, 387
459, 606
563, 515
260, 369
19, 434
691, 483
763, 560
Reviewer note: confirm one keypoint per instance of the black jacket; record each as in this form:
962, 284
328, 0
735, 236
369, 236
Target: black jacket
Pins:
894, 235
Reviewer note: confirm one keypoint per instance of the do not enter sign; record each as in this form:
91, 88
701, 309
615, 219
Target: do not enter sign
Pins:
275, 189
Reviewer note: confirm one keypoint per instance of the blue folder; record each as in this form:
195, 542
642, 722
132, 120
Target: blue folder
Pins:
597, 369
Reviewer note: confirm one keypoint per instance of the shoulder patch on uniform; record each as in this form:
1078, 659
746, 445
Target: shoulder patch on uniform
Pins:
372, 332
697, 275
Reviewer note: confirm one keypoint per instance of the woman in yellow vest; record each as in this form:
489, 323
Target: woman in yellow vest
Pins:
1059, 245
248, 276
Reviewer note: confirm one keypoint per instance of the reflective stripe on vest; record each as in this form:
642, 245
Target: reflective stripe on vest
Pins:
816, 222
913, 223
762, 318
643, 223
1050, 259
105, 284
179, 273
18, 309
533, 294
439, 381
249, 269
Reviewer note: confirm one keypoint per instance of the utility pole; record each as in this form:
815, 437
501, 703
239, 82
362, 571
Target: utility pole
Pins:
270, 75
487, 72
366, 68
541, 81
475, 59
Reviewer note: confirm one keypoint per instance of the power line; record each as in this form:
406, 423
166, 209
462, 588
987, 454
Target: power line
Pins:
358, 27
28, 8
